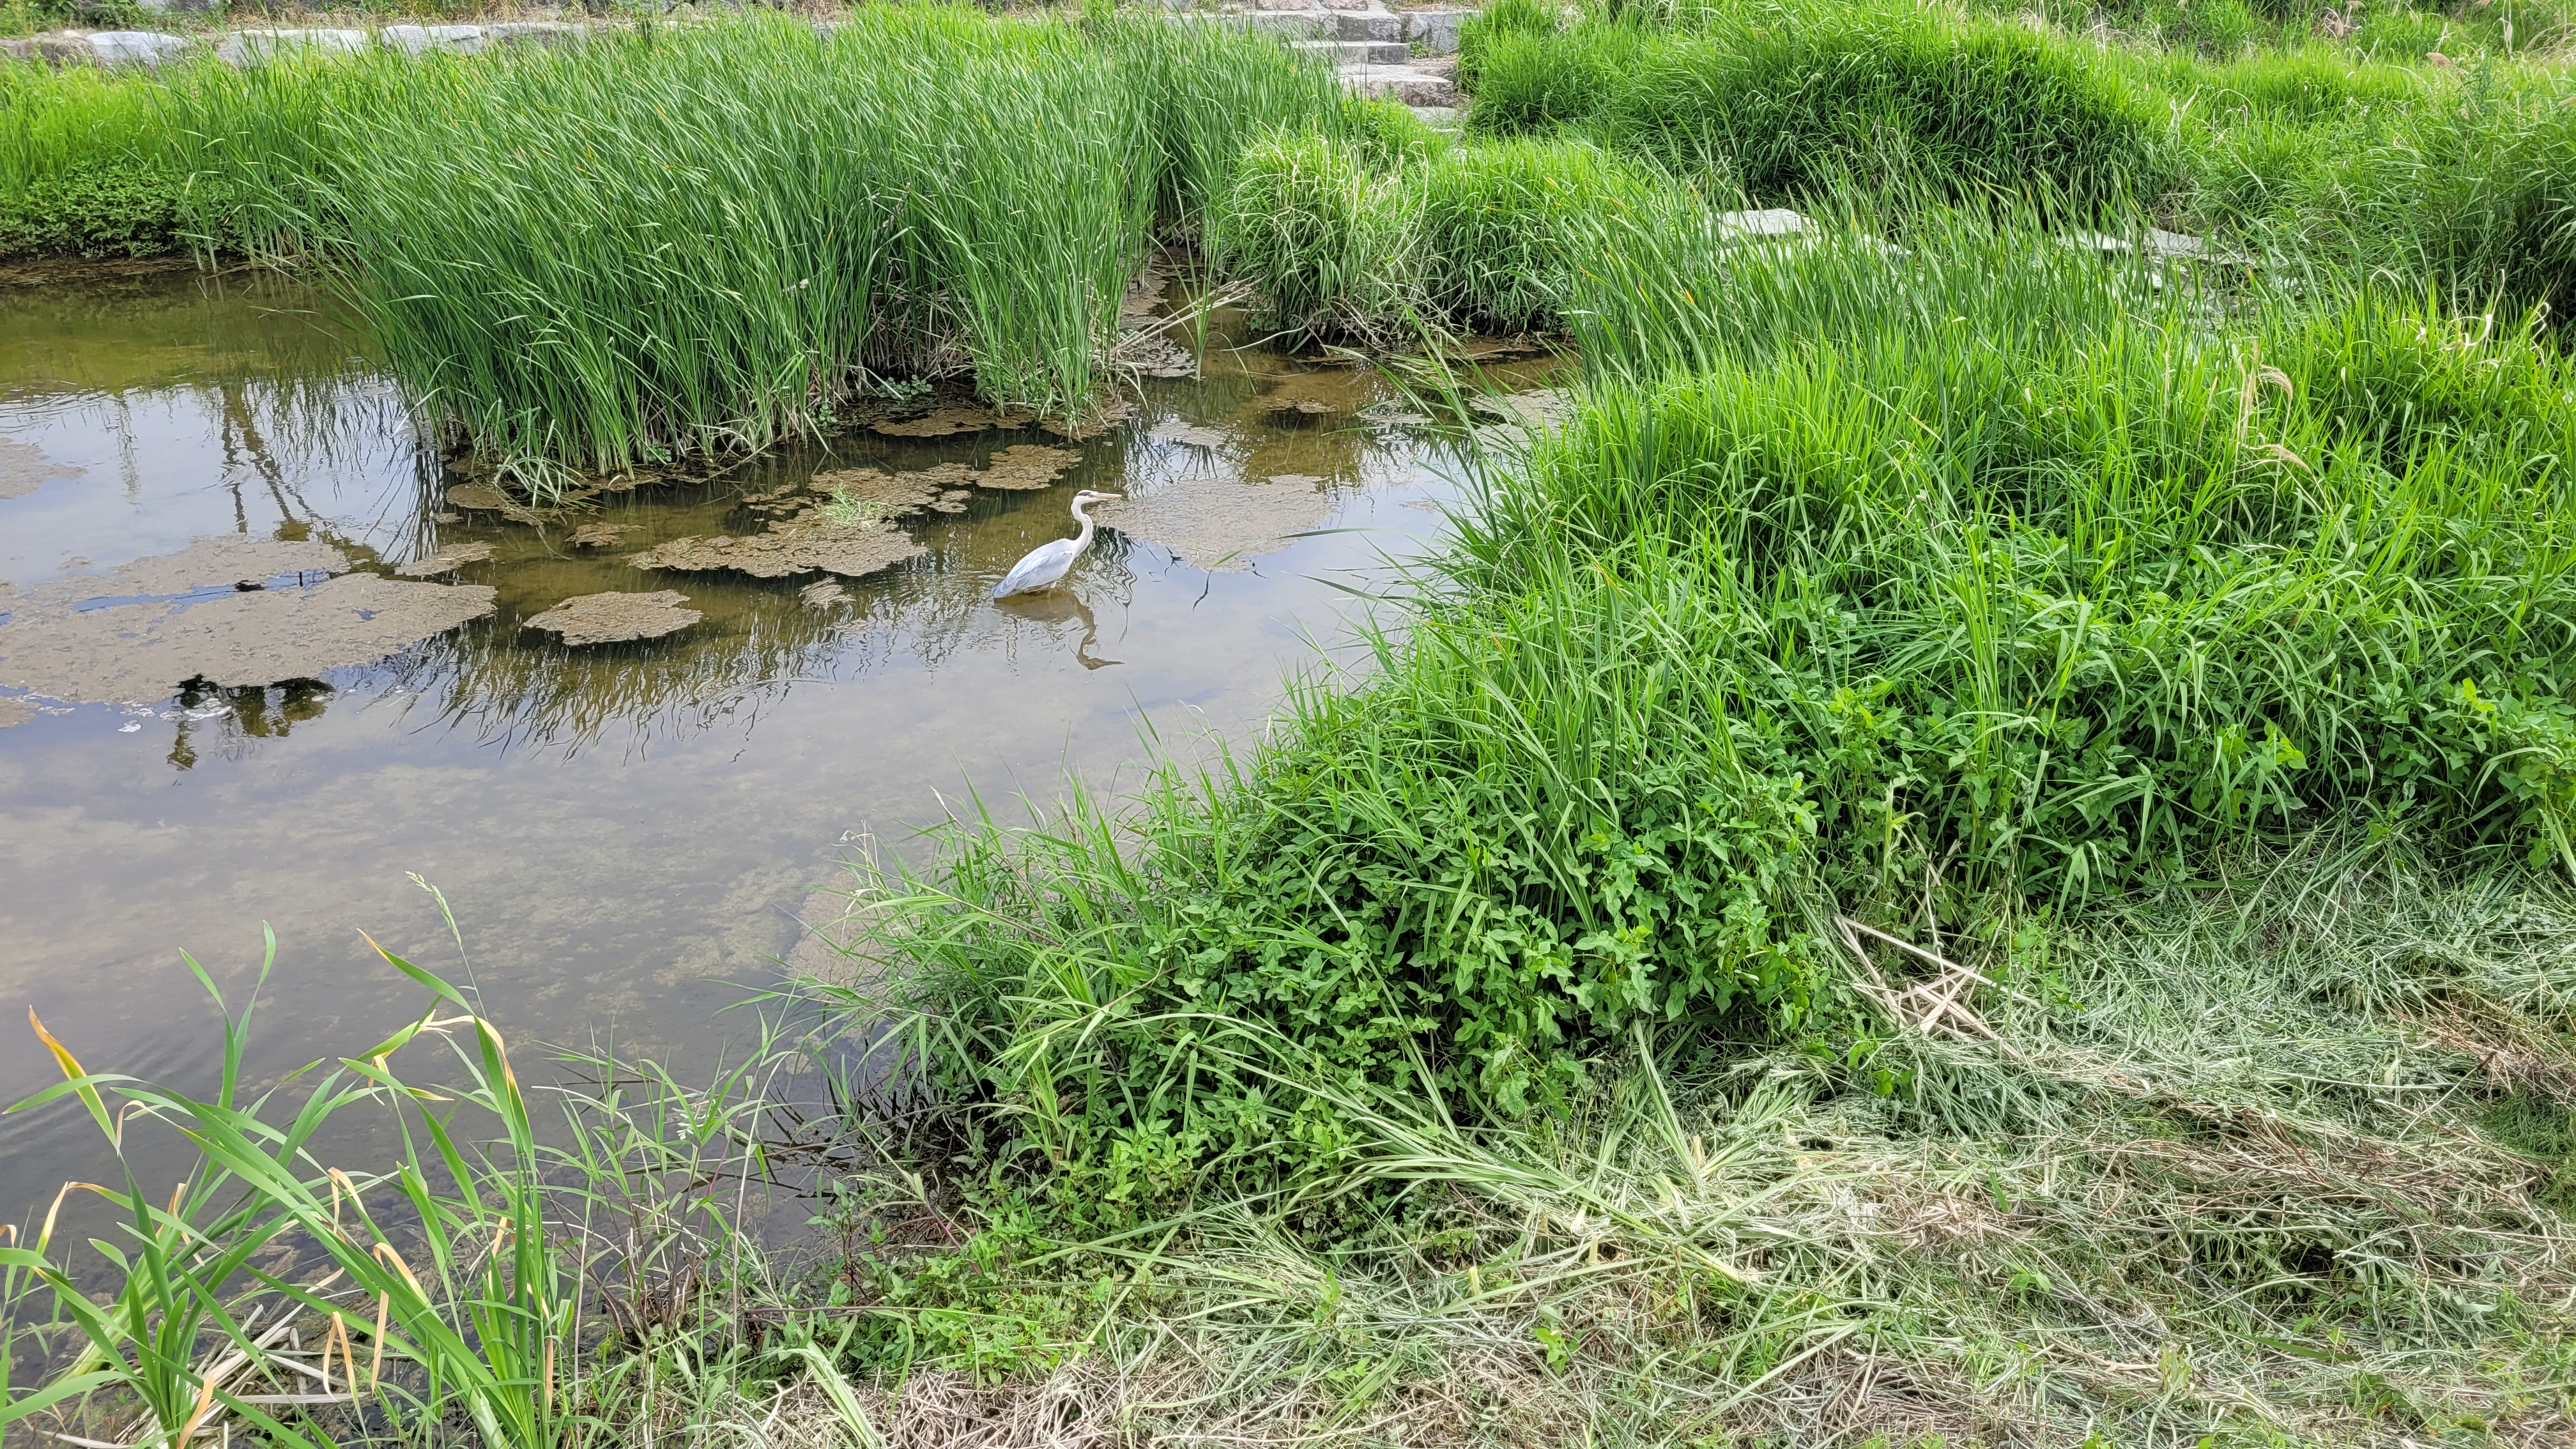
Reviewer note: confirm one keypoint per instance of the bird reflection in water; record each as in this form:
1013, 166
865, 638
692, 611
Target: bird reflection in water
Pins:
1057, 606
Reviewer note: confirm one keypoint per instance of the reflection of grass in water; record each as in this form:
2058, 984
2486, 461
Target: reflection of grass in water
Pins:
285, 378
498, 681
98, 329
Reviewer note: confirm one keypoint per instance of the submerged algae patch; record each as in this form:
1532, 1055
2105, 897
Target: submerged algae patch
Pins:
613, 617
136, 634
942, 422
808, 543
602, 535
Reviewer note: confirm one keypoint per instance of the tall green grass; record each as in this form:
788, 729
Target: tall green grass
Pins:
2149, 586
703, 240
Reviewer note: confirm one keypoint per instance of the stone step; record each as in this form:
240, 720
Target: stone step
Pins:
1439, 118
1435, 32
1399, 83
1355, 52
245, 48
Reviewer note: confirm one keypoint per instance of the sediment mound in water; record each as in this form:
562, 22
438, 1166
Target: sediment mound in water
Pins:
809, 543
944, 488
174, 630
228, 558
447, 560
24, 468
1025, 466
615, 617
897, 495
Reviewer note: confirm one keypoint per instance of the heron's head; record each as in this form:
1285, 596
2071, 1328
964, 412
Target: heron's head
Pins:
1092, 495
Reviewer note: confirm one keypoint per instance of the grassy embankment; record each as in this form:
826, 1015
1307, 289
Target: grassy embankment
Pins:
2175, 657
2204, 691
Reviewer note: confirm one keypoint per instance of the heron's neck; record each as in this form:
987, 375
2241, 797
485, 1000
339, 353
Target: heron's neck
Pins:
1082, 540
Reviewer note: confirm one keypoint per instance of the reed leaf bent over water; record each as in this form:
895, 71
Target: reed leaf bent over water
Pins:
471, 1282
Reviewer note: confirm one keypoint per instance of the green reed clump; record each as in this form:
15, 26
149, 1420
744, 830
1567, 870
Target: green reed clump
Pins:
2301, 153
1494, 21
1386, 240
1502, 220
2469, 179
1789, 100
702, 240
1333, 245
2387, 31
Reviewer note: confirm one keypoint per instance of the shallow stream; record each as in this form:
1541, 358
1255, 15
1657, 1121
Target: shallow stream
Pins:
632, 834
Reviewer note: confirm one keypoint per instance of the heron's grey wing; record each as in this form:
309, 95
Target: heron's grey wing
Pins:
1045, 564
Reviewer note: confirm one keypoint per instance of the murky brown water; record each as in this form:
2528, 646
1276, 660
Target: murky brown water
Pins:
628, 832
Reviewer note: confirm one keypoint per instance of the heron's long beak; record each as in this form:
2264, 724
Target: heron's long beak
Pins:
1109, 495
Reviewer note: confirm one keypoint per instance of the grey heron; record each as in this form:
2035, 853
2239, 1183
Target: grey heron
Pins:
1048, 563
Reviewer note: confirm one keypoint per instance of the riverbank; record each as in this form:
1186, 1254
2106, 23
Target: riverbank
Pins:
1970, 844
